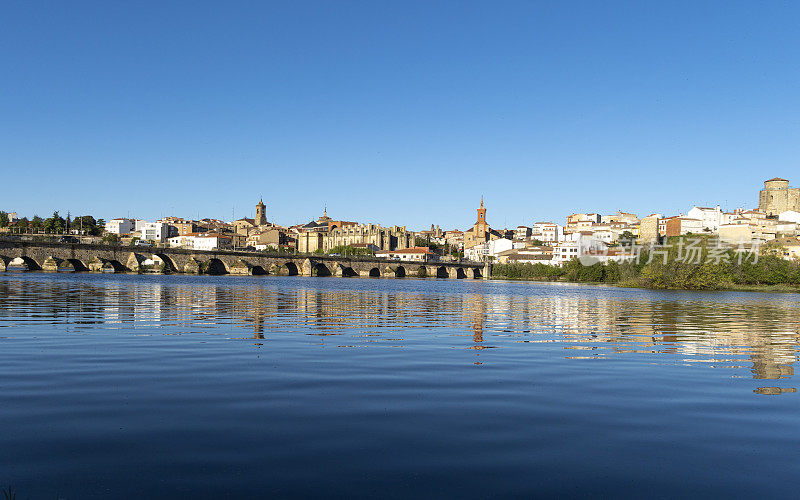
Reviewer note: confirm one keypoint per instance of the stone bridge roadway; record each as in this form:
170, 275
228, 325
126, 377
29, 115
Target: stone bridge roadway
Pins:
137, 259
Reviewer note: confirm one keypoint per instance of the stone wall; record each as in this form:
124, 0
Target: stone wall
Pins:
106, 258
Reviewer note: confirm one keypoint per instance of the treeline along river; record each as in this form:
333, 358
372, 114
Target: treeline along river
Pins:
708, 268
130, 386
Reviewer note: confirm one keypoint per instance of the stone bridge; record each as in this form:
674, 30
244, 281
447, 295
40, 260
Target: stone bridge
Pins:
48, 256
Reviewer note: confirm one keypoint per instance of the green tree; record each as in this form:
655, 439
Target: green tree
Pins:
351, 250
54, 224
88, 225
3, 219
21, 225
111, 239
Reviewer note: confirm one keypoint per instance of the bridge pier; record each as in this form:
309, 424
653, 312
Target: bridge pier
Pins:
192, 266
51, 264
100, 265
134, 262
241, 268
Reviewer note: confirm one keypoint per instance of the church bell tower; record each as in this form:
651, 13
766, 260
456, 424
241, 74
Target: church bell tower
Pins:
261, 213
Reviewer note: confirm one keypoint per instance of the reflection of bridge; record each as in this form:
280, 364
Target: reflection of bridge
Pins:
108, 258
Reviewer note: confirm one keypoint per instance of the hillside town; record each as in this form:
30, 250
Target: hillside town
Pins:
774, 221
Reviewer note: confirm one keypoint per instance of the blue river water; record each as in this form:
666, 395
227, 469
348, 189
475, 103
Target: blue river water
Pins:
129, 386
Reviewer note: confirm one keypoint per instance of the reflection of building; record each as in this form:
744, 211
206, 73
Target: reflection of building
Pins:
759, 336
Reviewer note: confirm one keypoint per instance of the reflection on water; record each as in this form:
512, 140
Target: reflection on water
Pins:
250, 387
758, 332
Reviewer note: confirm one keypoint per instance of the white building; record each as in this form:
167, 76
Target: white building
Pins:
786, 227
710, 218
185, 241
522, 233
546, 232
565, 251
201, 241
587, 249
415, 254
119, 226
155, 231
211, 241
607, 232
790, 216
494, 247
476, 252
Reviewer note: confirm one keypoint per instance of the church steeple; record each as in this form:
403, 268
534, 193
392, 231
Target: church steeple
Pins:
481, 213
261, 213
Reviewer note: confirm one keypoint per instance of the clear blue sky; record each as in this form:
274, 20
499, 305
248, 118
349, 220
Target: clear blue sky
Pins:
395, 112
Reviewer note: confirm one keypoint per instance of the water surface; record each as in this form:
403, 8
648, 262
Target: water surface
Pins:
124, 386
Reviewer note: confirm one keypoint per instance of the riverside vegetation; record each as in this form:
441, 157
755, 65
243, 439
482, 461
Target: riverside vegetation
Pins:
707, 269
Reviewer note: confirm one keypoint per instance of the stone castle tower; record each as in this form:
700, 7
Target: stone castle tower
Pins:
777, 197
261, 213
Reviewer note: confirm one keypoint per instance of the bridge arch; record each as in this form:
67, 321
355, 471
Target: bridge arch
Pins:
100, 265
346, 271
112, 266
215, 267
320, 269
422, 272
73, 265
460, 273
400, 272
258, 271
374, 273
169, 265
23, 263
441, 272
476, 273
291, 268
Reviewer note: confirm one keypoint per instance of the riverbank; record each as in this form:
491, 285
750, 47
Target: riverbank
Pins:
753, 273
780, 288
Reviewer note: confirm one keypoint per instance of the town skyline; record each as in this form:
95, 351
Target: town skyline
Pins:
250, 212
394, 115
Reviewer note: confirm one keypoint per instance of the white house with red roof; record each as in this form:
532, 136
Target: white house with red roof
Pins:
414, 254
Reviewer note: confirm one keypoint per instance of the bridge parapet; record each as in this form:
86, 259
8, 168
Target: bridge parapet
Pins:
106, 258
